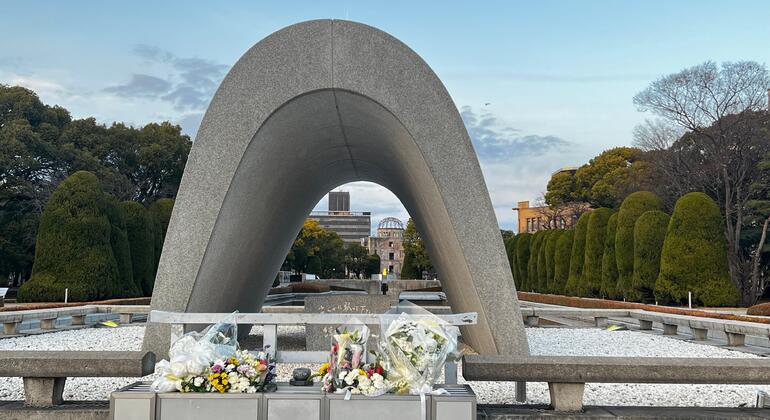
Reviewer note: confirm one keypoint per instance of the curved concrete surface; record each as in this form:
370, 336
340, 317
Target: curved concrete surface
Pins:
310, 107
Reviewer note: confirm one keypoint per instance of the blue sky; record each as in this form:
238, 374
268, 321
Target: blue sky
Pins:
540, 85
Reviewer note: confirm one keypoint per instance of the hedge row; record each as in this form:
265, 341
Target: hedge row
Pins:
638, 254
93, 246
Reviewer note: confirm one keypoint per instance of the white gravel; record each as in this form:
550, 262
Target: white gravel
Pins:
544, 341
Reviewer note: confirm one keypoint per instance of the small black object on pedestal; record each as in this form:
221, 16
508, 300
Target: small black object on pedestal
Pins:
301, 377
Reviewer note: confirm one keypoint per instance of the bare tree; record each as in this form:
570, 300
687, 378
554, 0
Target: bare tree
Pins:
720, 108
657, 134
559, 216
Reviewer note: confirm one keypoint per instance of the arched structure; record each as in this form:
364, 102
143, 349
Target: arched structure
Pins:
308, 108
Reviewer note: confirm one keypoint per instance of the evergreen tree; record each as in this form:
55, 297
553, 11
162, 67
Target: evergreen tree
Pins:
561, 259
633, 207
591, 280
609, 263
542, 270
550, 259
577, 257
649, 234
694, 257
523, 245
140, 227
534, 252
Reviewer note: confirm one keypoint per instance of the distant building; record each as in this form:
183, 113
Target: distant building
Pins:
350, 226
534, 219
389, 245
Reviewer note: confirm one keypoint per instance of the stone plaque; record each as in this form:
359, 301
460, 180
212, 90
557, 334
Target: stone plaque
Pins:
318, 337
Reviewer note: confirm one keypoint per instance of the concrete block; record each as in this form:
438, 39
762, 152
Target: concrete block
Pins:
700, 334
566, 396
78, 319
126, 318
532, 321
10, 328
600, 321
645, 324
318, 337
669, 329
43, 392
48, 324
735, 339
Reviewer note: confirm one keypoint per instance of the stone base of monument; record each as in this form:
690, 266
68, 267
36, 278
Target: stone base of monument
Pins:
318, 337
137, 402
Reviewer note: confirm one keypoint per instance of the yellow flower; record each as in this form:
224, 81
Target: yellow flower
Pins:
324, 368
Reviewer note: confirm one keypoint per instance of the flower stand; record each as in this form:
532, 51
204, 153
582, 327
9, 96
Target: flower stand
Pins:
137, 402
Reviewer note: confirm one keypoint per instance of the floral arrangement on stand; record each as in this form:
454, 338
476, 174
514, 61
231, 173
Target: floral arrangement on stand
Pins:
346, 370
412, 353
211, 362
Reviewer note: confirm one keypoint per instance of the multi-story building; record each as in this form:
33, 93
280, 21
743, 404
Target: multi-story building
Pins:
389, 245
533, 219
350, 226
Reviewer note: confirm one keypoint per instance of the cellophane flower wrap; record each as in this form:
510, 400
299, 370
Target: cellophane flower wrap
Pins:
347, 369
416, 345
211, 362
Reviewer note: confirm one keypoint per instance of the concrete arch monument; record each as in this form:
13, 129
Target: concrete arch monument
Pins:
310, 107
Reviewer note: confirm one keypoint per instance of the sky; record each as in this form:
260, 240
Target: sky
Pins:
540, 85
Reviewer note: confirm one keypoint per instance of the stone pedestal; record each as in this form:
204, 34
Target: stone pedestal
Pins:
318, 337
645, 324
566, 396
43, 392
699, 334
669, 329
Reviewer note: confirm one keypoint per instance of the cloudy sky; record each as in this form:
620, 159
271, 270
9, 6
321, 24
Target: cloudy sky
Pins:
540, 85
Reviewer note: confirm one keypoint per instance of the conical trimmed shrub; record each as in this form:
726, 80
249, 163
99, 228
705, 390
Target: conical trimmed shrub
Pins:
649, 234
591, 280
523, 245
550, 259
561, 260
534, 252
577, 257
633, 207
694, 257
609, 264
74, 249
541, 263
140, 227
160, 211
121, 249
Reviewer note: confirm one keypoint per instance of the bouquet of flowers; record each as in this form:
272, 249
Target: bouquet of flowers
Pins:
416, 349
346, 370
211, 362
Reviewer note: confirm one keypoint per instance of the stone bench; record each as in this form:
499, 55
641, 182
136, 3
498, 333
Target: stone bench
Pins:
567, 375
601, 316
47, 317
45, 372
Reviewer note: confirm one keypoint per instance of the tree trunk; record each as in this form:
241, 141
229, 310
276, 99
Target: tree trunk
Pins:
757, 288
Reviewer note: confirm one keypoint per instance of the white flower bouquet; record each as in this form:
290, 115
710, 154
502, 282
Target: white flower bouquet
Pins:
416, 349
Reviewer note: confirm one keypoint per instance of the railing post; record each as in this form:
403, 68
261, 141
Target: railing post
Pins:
270, 338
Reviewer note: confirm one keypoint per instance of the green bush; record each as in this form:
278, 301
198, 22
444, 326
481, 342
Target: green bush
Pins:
140, 227
74, 248
523, 245
694, 257
633, 207
609, 264
160, 211
510, 251
550, 258
121, 249
542, 270
561, 260
534, 252
591, 280
649, 234
577, 256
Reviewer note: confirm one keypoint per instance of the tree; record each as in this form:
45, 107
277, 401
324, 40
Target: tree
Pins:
694, 257
414, 251
633, 207
550, 260
160, 211
591, 280
542, 270
723, 108
523, 245
316, 251
602, 182
372, 265
577, 256
649, 234
141, 230
562, 256
356, 259
74, 248
121, 249
534, 253
609, 263
510, 251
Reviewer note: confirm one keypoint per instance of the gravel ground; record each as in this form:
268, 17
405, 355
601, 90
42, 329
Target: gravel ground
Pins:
545, 341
